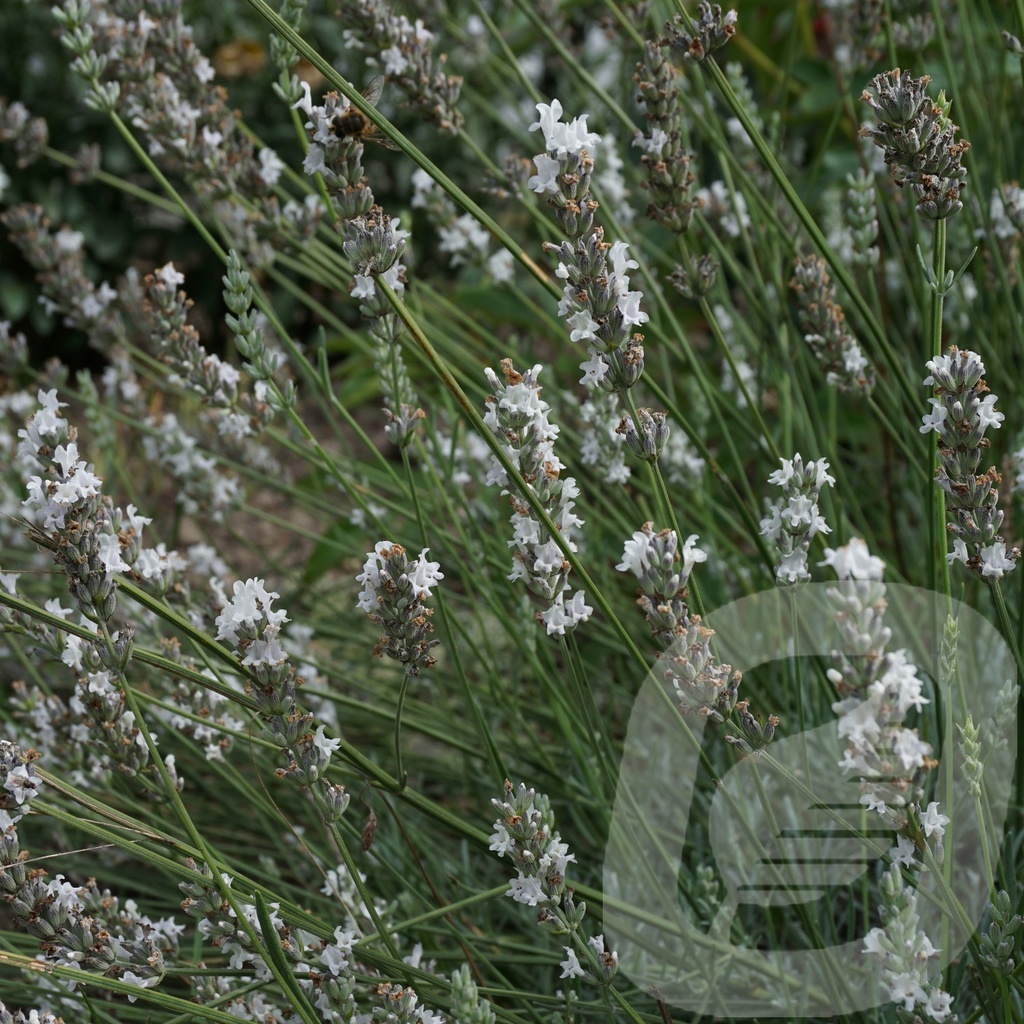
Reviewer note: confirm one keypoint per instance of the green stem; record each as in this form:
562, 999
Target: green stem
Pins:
400, 773
1010, 635
938, 497
364, 894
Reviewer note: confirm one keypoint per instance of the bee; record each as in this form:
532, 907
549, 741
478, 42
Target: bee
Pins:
355, 125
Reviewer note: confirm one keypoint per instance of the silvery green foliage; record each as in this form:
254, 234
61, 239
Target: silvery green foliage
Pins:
669, 178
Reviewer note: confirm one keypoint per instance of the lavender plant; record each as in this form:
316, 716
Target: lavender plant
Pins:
215, 803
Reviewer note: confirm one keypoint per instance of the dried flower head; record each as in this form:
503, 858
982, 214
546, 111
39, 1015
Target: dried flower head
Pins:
919, 141
712, 30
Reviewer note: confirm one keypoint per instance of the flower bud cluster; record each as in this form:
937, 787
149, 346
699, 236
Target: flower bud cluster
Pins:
178, 343
100, 713
856, 37
753, 736
261, 362
712, 30
145, 65
250, 624
861, 216
91, 540
971, 764
518, 418
201, 483
461, 237
32, 1017
393, 595
666, 164
601, 310
913, 32
467, 1006
597, 302
374, 244
1006, 213
647, 435
30, 135
20, 787
702, 684
82, 927
960, 416
58, 257
697, 280
998, 945
283, 55
14, 358
838, 352
325, 969
236, 415
602, 443
919, 141
402, 50
903, 950
793, 522
525, 832
877, 689
565, 168
662, 570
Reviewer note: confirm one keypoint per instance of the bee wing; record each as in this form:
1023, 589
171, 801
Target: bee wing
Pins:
381, 140
373, 90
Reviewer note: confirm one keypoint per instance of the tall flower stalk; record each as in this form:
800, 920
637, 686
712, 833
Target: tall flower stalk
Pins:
961, 416
597, 303
394, 591
518, 418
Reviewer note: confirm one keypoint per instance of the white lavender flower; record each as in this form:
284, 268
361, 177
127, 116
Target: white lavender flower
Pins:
518, 418
597, 302
878, 689
394, 589
524, 832
793, 522
662, 570
251, 626
904, 952
960, 416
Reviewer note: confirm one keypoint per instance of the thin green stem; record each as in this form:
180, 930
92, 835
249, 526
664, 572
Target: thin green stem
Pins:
364, 894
